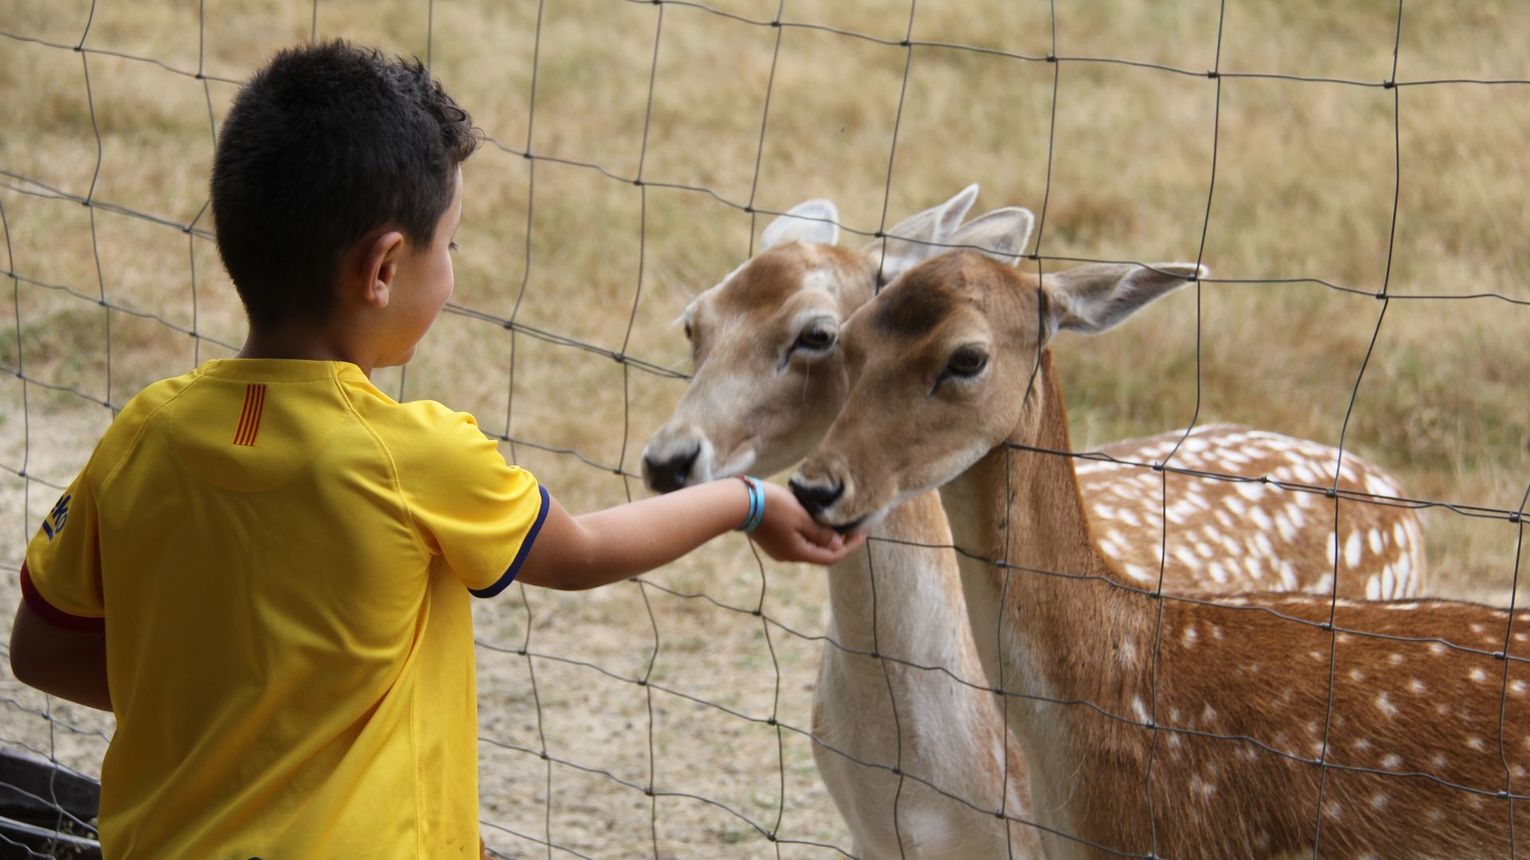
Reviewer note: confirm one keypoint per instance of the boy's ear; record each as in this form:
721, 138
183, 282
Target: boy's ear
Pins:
377, 268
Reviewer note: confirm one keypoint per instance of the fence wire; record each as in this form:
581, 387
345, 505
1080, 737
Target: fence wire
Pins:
75, 738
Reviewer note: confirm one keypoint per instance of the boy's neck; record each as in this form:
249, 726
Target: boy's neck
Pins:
304, 343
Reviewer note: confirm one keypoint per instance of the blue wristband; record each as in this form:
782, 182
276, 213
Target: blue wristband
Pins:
756, 504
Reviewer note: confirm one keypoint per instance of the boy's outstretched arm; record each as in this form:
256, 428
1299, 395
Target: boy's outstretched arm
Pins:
624, 541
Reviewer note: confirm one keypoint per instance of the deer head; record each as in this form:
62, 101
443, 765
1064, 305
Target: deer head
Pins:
953, 349
769, 373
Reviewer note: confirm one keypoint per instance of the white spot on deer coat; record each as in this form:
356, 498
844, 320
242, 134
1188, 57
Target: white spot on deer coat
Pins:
1249, 490
1254, 568
1261, 519
1352, 549
1404, 568
1288, 576
1384, 705
1285, 525
1262, 541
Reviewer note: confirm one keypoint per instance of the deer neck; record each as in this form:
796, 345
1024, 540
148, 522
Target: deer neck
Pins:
1039, 634
894, 596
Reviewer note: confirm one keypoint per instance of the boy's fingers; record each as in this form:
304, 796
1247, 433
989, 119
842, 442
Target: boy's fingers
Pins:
820, 534
837, 550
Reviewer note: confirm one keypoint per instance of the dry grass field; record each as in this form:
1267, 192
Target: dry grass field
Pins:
646, 155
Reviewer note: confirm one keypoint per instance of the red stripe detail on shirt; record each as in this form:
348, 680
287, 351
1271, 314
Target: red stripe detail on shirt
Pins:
249, 419
52, 614
243, 416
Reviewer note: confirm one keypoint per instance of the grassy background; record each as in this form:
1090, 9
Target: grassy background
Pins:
1306, 174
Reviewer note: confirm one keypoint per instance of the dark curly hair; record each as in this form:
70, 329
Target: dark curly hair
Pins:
324, 145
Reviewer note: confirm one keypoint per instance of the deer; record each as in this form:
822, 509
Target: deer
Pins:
770, 378
1210, 725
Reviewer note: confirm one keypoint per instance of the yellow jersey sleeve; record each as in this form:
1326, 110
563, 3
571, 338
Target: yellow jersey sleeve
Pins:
63, 563
472, 508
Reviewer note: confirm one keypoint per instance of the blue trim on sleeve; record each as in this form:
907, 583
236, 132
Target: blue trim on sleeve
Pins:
520, 557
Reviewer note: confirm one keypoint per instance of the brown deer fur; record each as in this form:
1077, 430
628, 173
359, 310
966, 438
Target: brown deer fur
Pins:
1176, 727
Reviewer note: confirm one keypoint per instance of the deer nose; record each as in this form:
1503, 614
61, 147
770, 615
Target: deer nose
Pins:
667, 474
814, 496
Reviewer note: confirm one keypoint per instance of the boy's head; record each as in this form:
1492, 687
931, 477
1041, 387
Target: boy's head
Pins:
324, 147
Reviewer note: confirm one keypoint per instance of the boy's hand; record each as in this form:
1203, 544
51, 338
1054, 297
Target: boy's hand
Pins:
789, 533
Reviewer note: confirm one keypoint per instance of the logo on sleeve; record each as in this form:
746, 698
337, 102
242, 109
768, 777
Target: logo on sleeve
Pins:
53, 523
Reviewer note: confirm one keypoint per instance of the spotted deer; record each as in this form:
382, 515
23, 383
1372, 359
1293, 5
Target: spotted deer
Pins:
770, 377
768, 381
1204, 726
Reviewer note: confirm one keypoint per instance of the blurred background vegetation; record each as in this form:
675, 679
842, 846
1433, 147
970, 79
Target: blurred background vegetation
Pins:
649, 142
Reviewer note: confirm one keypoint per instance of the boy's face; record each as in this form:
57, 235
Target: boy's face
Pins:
424, 282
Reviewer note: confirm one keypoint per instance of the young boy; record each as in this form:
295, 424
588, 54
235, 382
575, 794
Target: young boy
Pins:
264, 569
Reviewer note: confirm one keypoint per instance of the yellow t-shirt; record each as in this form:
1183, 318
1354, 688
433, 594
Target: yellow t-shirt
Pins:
283, 556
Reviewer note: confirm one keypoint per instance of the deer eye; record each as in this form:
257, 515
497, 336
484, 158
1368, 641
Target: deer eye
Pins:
967, 362
817, 337
689, 335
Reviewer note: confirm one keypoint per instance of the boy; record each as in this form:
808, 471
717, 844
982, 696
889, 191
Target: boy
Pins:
264, 570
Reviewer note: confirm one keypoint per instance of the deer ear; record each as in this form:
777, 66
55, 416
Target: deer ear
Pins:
920, 236
814, 221
1095, 297
1001, 234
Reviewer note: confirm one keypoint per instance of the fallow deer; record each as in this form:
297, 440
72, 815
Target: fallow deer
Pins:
769, 378
898, 684
1202, 726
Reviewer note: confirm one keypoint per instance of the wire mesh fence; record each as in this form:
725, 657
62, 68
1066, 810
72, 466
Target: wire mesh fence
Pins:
1348, 175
